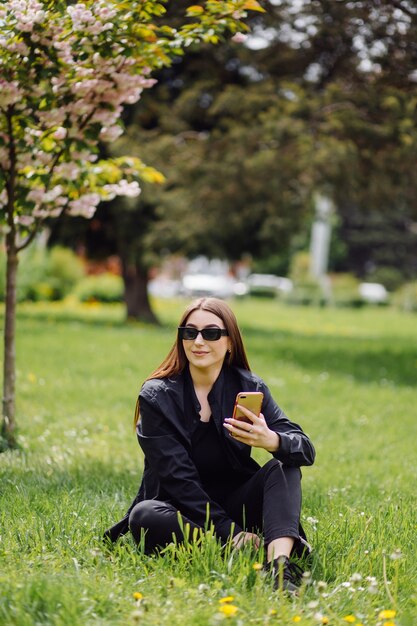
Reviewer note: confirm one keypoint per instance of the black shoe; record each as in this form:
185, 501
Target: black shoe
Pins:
287, 574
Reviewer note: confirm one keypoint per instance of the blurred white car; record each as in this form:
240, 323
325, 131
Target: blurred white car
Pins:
268, 284
374, 293
217, 286
164, 287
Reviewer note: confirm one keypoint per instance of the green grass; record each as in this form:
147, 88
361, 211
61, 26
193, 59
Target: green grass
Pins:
349, 377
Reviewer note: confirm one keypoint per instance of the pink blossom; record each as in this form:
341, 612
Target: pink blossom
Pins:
24, 220
123, 188
69, 171
80, 16
104, 12
112, 133
239, 38
44, 213
60, 133
39, 196
3, 198
4, 158
36, 195
9, 93
53, 117
18, 47
85, 205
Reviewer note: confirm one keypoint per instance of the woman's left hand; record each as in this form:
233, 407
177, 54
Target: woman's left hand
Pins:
256, 433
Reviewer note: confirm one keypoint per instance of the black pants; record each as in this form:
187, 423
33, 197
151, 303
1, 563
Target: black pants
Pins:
269, 502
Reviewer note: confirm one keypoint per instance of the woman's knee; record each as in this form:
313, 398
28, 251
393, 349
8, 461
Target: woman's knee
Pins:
275, 469
142, 514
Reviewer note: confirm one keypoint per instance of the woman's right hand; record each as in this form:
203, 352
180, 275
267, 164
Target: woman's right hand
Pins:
243, 537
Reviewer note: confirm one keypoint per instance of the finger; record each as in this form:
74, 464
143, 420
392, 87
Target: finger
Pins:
255, 419
240, 424
246, 411
252, 416
238, 432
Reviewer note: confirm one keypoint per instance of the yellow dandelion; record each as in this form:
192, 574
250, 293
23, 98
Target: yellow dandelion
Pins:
296, 619
387, 614
138, 595
229, 610
325, 619
390, 623
226, 599
257, 566
351, 619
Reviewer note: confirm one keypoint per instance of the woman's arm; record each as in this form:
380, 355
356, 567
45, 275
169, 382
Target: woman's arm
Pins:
274, 432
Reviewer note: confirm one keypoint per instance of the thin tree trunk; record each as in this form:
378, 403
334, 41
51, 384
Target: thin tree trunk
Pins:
136, 293
8, 428
8, 425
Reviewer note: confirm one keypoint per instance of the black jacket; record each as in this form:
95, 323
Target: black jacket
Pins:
164, 434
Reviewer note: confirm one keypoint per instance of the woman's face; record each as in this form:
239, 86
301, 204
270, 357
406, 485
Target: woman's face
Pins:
201, 354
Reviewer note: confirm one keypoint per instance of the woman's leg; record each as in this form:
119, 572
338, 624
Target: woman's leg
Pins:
158, 522
270, 501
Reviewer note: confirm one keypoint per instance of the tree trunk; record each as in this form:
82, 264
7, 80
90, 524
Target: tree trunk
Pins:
8, 427
136, 293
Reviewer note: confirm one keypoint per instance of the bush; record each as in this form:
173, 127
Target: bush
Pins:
390, 277
32, 283
345, 290
307, 291
102, 288
300, 268
43, 274
406, 297
64, 271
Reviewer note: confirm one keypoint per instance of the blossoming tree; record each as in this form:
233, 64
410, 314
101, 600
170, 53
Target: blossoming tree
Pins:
66, 72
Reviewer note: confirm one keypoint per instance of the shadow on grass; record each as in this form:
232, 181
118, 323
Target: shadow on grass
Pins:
116, 318
387, 360
89, 485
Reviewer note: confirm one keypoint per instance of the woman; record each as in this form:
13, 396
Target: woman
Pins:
197, 458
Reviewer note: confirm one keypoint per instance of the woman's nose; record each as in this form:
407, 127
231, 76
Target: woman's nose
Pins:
199, 339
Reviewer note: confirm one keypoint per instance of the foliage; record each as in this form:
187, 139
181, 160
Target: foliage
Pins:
345, 375
67, 73
102, 288
320, 97
391, 277
406, 297
344, 290
44, 274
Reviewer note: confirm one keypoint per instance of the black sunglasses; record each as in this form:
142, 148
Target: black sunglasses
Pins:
208, 334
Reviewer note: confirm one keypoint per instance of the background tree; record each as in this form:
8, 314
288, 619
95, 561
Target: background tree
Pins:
67, 73
321, 97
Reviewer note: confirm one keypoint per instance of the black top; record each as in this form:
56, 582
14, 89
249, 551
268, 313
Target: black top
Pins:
208, 450
213, 465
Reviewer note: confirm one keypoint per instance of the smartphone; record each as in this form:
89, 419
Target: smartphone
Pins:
251, 400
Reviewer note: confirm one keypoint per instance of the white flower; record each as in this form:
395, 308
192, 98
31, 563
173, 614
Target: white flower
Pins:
356, 577
397, 554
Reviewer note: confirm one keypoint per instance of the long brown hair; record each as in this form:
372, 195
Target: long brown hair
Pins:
176, 360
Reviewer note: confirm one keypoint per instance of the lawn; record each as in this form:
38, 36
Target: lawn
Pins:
347, 376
